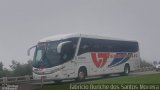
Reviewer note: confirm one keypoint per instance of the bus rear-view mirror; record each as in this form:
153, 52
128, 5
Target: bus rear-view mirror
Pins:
61, 47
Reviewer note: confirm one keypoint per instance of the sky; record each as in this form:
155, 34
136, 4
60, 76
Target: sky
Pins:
24, 22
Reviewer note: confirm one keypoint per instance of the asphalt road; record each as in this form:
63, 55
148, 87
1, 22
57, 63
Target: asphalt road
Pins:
145, 73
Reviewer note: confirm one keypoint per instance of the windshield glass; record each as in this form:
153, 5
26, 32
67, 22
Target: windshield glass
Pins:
46, 55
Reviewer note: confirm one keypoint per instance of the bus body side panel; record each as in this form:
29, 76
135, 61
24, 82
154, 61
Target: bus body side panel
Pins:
83, 61
111, 65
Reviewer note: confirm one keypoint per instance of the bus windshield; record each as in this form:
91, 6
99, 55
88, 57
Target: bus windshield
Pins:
46, 55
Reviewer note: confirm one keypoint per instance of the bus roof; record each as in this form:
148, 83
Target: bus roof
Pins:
65, 36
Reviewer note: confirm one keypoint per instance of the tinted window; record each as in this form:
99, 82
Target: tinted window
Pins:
74, 42
101, 45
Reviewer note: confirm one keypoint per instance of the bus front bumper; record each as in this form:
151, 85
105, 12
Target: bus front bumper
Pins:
53, 76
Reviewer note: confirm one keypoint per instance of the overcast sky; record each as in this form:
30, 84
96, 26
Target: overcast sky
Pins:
24, 22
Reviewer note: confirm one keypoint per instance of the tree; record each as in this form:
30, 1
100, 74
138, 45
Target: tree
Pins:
19, 69
29, 66
1, 66
14, 65
144, 63
6, 73
1, 69
155, 62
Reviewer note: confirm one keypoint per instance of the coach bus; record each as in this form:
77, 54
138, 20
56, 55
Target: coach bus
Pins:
77, 56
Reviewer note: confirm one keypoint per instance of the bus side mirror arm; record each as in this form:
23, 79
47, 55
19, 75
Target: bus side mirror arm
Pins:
59, 47
28, 52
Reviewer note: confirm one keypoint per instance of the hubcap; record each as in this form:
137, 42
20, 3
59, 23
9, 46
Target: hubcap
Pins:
81, 75
126, 71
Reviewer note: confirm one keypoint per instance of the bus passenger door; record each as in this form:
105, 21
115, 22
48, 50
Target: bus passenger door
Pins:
69, 69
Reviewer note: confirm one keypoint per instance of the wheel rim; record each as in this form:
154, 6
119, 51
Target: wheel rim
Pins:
126, 70
81, 75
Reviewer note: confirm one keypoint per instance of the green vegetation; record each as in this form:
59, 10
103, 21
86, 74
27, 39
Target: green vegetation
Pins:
144, 63
17, 69
143, 79
55, 87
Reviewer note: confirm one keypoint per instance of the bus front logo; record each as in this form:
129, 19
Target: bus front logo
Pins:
99, 59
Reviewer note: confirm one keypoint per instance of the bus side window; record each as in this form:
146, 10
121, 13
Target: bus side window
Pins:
84, 46
74, 41
83, 49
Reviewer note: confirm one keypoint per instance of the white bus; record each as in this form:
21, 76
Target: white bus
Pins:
77, 56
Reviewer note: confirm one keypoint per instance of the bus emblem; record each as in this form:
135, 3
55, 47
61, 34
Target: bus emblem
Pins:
99, 59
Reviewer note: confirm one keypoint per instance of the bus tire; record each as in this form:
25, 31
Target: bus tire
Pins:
126, 70
82, 73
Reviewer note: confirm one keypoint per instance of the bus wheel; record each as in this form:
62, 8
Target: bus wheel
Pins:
82, 73
126, 70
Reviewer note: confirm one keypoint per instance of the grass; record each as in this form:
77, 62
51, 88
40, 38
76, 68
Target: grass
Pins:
143, 79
